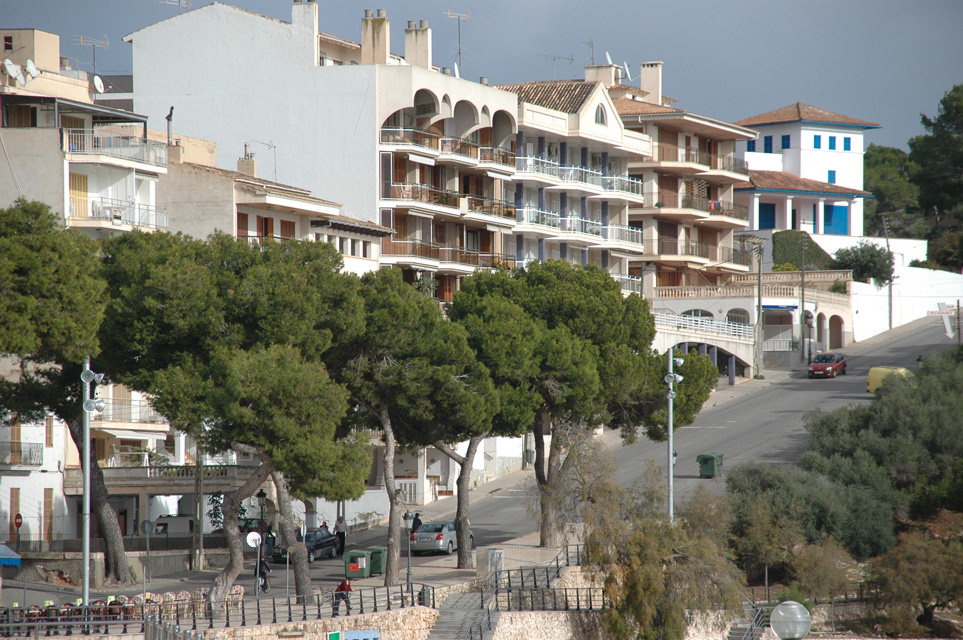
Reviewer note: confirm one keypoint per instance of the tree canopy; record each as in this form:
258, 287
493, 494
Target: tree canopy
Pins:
866, 260
886, 173
938, 157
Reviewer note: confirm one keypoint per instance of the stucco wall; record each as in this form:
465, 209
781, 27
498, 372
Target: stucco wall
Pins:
39, 165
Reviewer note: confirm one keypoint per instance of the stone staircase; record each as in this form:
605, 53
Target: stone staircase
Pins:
462, 617
753, 624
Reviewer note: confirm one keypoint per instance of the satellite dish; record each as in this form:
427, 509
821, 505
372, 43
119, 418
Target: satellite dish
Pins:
98, 84
456, 71
608, 58
628, 76
32, 69
13, 70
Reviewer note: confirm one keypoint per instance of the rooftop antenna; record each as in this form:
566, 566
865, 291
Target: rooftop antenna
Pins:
273, 148
461, 17
628, 75
591, 43
181, 4
554, 60
94, 43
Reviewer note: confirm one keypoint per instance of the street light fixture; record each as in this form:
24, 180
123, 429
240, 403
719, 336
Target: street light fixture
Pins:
671, 378
89, 406
261, 499
790, 621
409, 523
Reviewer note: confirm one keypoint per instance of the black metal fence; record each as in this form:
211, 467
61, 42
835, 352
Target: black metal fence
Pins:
35, 543
565, 599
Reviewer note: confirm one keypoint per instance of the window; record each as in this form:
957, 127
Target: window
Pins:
750, 146
14, 508
785, 141
847, 144
832, 143
836, 219
767, 215
600, 115
48, 512
832, 176
8, 43
767, 144
817, 142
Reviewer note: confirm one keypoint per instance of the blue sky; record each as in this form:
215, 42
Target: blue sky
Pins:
885, 61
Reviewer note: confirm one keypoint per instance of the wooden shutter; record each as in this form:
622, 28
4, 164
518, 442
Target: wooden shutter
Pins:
48, 508
79, 204
15, 451
49, 424
14, 510
242, 229
287, 229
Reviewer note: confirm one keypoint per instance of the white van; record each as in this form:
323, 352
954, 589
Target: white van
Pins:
173, 527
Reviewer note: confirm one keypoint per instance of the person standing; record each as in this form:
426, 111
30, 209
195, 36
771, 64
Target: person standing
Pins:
341, 530
341, 593
269, 539
416, 523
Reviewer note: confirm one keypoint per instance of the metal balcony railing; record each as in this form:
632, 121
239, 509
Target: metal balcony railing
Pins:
584, 175
581, 225
87, 142
459, 147
671, 200
413, 137
730, 163
626, 184
534, 215
458, 256
734, 256
424, 193
705, 325
409, 248
491, 206
263, 240
491, 260
632, 284
21, 453
117, 212
622, 233
537, 164
494, 155
129, 411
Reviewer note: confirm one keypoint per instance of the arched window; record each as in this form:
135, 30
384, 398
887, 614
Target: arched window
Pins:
738, 315
600, 115
698, 313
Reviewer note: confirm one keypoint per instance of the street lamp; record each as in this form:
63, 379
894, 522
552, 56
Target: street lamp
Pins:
89, 406
790, 621
261, 498
809, 347
409, 522
671, 378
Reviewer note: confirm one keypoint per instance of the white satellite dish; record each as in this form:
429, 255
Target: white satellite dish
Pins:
98, 84
32, 69
13, 70
456, 71
628, 76
608, 58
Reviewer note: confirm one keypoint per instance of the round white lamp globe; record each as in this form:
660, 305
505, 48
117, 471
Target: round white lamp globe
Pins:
790, 621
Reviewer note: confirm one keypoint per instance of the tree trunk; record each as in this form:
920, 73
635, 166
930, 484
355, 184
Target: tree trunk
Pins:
546, 475
116, 568
466, 555
297, 552
393, 561
222, 584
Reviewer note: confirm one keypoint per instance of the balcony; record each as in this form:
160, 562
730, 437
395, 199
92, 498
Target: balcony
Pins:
86, 142
117, 212
539, 168
622, 233
458, 256
581, 225
490, 206
161, 479
21, 454
628, 187
409, 249
539, 221
496, 156
581, 178
729, 164
493, 260
629, 283
733, 256
717, 213
263, 241
139, 411
410, 137
423, 193
459, 147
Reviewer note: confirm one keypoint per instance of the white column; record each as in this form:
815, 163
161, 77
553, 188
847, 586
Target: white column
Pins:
820, 206
754, 212
789, 224
852, 228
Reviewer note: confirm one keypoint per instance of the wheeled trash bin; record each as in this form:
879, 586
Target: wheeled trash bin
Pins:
710, 464
357, 564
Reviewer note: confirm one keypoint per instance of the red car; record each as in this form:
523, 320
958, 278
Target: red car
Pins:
827, 365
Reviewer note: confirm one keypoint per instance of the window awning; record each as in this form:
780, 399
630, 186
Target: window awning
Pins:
414, 157
8, 557
128, 434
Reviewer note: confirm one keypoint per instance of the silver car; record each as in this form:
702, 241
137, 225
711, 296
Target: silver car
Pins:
435, 537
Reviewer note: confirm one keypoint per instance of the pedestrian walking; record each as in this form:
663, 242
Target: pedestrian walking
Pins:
341, 593
341, 530
416, 523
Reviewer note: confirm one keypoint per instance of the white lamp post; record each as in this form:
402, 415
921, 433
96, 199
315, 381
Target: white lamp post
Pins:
409, 522
89, 406
671, 378
790, 620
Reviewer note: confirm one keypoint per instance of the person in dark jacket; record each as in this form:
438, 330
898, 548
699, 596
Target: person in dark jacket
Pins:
341, 593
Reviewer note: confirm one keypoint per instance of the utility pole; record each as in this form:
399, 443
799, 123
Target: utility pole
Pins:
886, 232
802, 304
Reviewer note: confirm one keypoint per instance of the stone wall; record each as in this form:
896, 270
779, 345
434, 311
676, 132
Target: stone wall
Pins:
549, 625
412, 623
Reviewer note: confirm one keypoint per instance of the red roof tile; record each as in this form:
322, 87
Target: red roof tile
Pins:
800, 112
566, 96
783, 181
629, 107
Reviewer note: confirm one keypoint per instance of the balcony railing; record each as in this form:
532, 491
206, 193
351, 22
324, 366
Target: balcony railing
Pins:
622, 233
674, 153
632, 284
86, 142
625, 184
584, 175
672, 200
492, 260
734, 256
424, 193
730, 163
458, 255
21, 453
581, 225
117, 212
704, 325
494, 155
459, 147
129, 411
263, 240
500, 208
533, 215
536, 164
413, 137
409, 248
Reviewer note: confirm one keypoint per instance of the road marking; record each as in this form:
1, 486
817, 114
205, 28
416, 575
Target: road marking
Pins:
696, 426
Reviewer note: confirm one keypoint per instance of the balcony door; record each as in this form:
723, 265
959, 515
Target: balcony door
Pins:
16, 453
79, 206
668, 238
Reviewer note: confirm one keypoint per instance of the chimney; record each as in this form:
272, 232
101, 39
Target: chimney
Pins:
483, 80
650, 79
247, 165
418, 44
375, 38
608, 74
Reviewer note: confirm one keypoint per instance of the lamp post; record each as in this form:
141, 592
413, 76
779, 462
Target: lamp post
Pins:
671, 378
89, 406
802, 302
809, 341
409, 522
261, 499
790, 621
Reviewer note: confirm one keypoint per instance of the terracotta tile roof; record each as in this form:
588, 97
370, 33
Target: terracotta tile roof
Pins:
783, 181
566, 96
629, 107
800, 112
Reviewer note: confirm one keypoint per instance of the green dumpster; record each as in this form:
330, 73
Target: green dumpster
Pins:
379, 556
710, 464
357, 564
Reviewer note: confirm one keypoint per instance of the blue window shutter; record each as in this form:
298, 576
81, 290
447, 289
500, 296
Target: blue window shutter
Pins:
767, 144
785, 142
767, 215
832, 176
817, 142
836, 219
847, 144
750, 145
832, 143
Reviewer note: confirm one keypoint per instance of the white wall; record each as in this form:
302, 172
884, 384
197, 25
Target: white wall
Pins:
904, 249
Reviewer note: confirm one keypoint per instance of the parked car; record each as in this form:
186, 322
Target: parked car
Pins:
321, 543
437, 537
827, 365
248, 525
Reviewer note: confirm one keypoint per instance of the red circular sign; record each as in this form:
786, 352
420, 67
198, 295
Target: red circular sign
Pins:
18, 520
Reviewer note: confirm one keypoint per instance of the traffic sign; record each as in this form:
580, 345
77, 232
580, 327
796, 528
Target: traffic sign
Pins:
146, 526
18, 520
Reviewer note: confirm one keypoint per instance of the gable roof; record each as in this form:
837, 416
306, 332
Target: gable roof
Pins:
567, 96
630, 107
801, 112
784, 181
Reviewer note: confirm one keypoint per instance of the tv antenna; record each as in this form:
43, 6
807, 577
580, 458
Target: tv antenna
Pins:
94, 43
591, 44
554, 60
273, 148
181, 4
461, 17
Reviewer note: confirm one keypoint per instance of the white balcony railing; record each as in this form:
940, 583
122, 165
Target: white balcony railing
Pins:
117, 212
86, 142
704, 325
622, 233
632, 284
536, 164
584, 175
581, 225
534, 215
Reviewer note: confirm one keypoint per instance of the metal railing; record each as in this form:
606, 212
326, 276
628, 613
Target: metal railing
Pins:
21, 453
630, 283
261, 241
414, 137
86, 142
734, 255
409, 248
494, 155
533, 215
537, 164
423, 193
704, 325
491, 260
662, 199
129, 411
580, 225
459, 147
117, 212
564, 599
626, 184
583, 175
491, 206
622, 233
730, 163
458, 255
